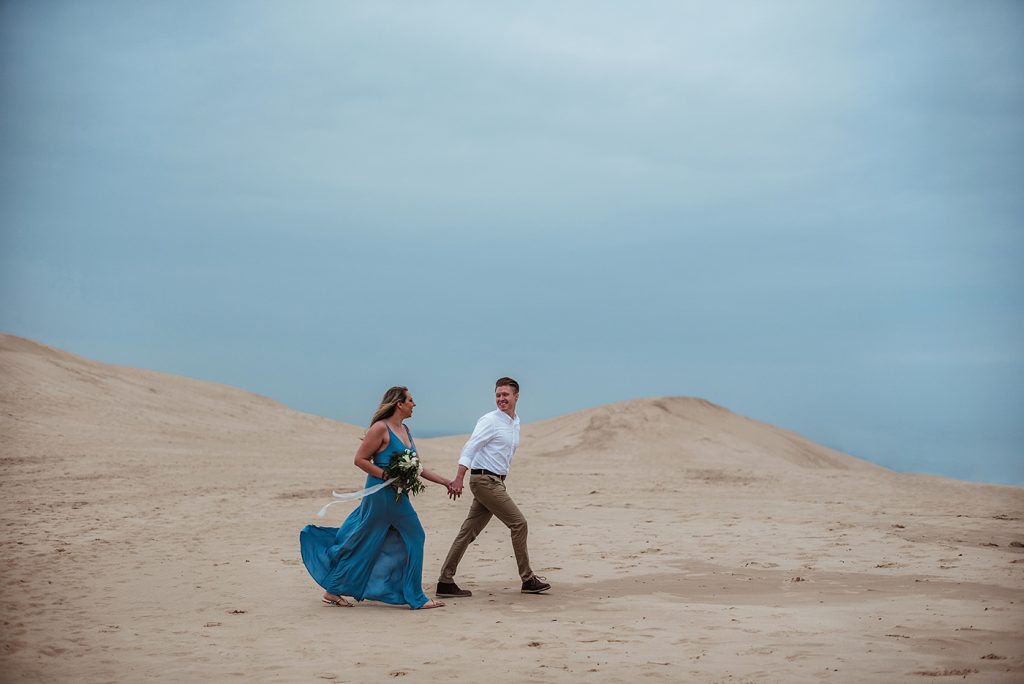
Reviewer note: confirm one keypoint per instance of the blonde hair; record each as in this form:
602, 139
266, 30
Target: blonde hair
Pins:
392, 398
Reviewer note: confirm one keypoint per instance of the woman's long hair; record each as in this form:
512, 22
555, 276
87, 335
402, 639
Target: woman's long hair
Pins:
392, 398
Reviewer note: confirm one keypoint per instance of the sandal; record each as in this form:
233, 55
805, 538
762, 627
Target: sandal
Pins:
431, 603
335, 601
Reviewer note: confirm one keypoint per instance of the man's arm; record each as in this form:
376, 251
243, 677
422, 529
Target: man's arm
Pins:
482, 433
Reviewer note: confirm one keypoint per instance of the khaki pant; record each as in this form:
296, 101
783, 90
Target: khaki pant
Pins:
489, 499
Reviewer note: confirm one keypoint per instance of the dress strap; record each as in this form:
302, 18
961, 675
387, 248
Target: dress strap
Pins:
408, 433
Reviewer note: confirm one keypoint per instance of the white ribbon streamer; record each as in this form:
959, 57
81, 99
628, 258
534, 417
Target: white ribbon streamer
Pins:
352, 496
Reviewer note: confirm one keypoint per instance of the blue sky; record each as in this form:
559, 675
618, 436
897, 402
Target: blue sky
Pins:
810, 213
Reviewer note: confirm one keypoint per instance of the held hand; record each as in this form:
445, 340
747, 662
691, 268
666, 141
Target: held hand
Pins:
456, 486
453, 493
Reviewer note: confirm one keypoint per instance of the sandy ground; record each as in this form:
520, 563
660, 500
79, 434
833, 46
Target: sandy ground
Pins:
150, 531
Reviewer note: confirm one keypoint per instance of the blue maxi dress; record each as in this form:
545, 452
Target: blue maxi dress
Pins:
377, 553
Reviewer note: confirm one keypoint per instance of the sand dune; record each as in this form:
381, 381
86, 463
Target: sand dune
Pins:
150, 532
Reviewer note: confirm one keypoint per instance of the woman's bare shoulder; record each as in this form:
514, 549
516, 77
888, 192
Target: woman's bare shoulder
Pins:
378, 429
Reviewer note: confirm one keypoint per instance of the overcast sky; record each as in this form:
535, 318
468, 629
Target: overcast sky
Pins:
810, 213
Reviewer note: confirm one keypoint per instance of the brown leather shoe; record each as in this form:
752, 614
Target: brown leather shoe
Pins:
451, 589
534, 585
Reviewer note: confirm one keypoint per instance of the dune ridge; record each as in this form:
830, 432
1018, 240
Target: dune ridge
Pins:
705, 432
61, 391
150, 532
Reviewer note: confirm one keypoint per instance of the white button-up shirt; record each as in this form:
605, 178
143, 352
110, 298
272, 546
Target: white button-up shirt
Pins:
493, 443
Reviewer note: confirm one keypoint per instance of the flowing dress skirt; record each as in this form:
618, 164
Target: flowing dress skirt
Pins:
376, 554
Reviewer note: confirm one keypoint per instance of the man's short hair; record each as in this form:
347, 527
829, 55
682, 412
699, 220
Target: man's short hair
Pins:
507, 381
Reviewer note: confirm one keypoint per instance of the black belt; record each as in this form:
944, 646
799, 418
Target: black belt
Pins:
484, 471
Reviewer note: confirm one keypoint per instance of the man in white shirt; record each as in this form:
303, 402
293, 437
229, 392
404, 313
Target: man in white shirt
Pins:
487, 456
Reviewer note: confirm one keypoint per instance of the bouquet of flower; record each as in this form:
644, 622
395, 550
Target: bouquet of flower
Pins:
404, 472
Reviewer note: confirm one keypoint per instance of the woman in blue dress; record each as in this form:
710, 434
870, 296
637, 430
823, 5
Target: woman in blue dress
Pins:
377, 553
